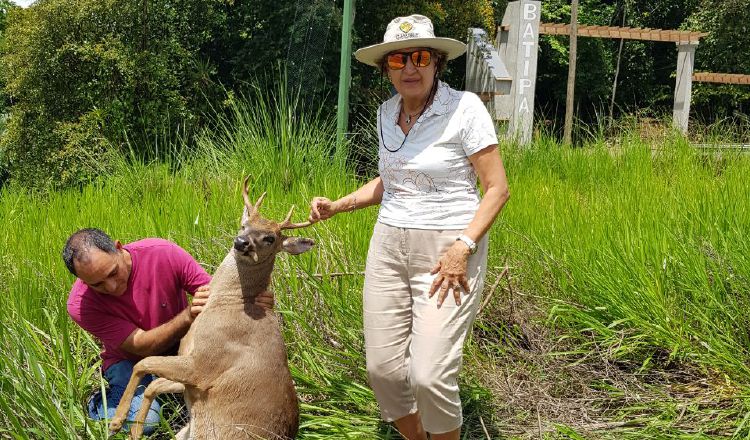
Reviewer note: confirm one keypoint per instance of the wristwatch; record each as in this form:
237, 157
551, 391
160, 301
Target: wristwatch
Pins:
469, 242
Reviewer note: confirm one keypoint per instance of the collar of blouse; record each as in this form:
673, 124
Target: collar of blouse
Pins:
440, 105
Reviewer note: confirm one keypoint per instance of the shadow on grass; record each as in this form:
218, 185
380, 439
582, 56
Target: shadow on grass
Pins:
387, 431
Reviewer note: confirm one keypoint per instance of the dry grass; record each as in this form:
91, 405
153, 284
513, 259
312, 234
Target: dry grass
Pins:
544, 385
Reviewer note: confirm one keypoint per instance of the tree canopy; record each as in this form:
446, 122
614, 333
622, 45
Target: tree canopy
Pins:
83, 80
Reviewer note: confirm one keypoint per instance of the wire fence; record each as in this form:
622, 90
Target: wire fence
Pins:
309, 39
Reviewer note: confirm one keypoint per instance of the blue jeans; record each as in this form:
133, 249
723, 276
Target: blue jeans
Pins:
117, 376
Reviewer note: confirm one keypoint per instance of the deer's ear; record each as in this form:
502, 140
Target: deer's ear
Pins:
244, 215
297, 245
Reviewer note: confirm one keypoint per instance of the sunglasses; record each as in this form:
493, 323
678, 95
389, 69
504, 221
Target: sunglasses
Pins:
420, 58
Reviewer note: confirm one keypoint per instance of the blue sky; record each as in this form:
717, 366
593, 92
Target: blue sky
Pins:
23, 3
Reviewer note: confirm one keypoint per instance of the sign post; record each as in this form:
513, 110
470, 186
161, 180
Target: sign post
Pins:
518, 46
486, 74
518, 43
345, 72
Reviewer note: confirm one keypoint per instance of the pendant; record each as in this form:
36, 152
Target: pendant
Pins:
408, 119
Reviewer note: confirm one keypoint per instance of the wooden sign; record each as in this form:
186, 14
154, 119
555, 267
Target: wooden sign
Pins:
519, 45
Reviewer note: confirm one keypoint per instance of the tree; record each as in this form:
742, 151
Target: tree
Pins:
6, 7
646, 76
86, 76
725, 50
258, 37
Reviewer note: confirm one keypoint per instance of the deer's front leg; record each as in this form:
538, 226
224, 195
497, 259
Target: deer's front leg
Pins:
175, 368
155, 388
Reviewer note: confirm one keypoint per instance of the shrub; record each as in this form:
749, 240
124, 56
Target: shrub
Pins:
86, 76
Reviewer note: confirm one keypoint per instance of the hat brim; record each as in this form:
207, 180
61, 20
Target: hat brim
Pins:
372, 55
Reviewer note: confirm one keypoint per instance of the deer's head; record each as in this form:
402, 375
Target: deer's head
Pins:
260, 238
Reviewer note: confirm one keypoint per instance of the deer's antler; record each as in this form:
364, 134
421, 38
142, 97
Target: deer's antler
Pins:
252, 211
248, 205
287, 224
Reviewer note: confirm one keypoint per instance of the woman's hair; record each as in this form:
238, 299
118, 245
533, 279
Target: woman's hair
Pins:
440, 60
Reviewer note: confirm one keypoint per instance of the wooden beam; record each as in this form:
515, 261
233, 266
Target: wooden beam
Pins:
627, 33
722, 78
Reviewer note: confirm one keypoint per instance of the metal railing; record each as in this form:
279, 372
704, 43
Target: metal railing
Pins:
486, 74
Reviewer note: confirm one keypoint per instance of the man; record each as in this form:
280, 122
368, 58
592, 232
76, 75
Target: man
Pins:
132, 298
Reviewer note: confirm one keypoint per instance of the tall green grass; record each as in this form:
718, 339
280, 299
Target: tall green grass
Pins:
642, 249
48, 366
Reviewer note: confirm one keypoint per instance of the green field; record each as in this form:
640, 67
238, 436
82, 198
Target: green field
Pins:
624, 314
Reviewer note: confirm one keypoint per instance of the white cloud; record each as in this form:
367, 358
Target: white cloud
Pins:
22, 3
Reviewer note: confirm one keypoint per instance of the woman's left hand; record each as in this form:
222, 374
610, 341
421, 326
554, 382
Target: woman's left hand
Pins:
451, 270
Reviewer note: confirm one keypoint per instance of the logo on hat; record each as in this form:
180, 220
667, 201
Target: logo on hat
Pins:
406, 27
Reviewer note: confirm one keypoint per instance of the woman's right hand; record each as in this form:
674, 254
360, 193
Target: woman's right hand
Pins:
321, 208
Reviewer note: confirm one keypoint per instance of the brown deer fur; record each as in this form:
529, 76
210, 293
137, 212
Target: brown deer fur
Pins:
232, 364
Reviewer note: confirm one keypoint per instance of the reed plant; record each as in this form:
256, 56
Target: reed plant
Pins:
636, 249
648, 244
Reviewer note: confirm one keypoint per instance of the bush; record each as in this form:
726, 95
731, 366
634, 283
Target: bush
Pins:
87, 76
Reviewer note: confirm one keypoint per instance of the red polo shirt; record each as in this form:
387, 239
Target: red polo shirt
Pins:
161, 274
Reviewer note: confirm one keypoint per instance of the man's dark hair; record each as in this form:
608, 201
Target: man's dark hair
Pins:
81, 242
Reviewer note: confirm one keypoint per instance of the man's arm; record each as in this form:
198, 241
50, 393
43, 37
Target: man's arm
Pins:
158, 340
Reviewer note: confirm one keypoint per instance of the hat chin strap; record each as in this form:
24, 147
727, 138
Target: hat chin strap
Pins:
434, 85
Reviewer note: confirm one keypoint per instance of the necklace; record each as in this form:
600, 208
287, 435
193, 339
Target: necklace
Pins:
408, 119
408, 122
408, 116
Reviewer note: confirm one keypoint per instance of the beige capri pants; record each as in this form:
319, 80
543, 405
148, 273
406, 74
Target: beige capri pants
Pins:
414, 349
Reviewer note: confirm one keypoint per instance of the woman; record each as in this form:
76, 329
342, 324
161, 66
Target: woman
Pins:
431, 231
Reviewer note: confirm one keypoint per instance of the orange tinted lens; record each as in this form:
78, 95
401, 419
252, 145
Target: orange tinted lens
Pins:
396, 61
421, 58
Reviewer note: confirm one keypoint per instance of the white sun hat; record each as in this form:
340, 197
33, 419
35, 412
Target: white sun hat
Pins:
412, 31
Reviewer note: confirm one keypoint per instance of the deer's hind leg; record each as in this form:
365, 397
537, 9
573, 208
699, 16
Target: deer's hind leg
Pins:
155, 388
174, 368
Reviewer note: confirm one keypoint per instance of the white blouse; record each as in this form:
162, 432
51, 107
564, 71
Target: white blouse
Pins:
429, 181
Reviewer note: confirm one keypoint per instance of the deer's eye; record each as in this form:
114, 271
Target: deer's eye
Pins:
269, 239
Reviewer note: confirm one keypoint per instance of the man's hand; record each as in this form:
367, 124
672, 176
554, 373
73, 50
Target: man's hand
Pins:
200, 298
265, 300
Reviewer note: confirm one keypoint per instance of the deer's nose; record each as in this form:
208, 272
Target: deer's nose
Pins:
241, 243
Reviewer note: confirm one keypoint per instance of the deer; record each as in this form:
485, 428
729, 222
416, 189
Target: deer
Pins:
232, 363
